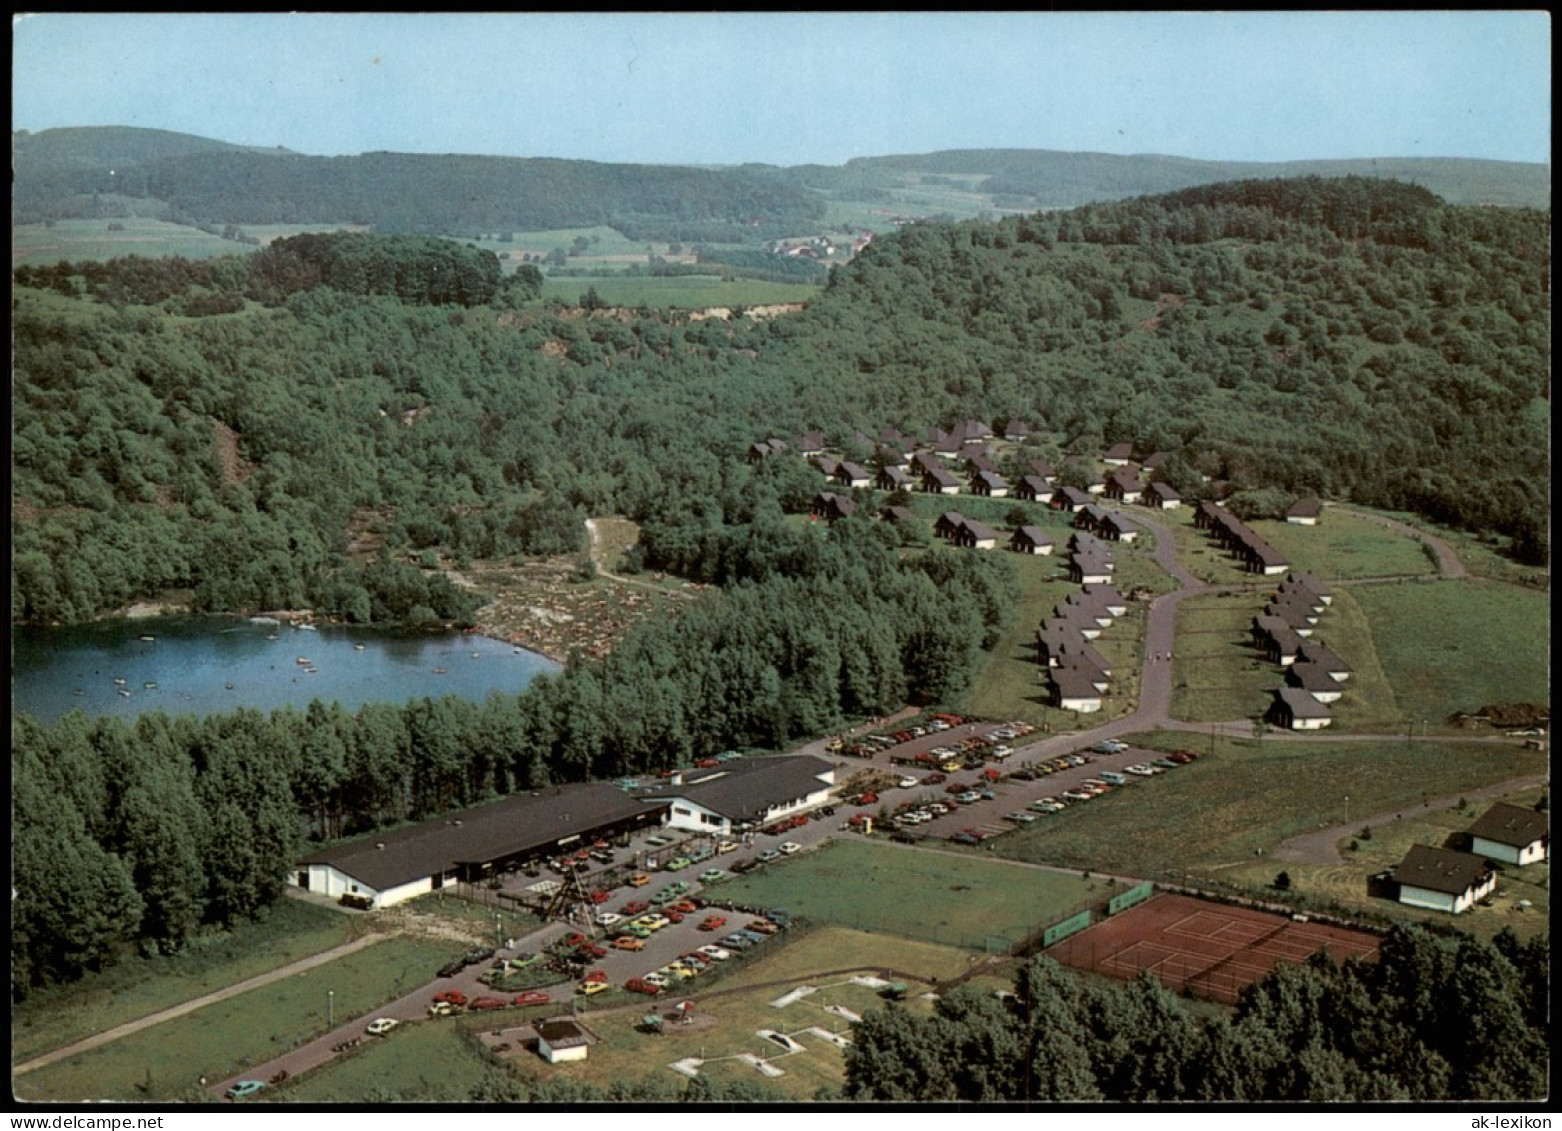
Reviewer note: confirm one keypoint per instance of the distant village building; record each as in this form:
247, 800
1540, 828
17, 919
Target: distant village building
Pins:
1304, 512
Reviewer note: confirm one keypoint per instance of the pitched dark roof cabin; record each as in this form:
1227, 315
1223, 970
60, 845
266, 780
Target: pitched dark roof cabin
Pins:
946, 524
1069, 499
1441, 869
1305, 508
1292, 703
1120, 452
898, 514
1029, 539
1511, 825
1032, 488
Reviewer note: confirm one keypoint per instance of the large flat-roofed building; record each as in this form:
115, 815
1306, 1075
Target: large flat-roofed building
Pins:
474, 844
746, 793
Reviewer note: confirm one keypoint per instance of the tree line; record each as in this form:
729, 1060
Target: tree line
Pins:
1432, 1019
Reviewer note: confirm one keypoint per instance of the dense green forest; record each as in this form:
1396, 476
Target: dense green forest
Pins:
1433, 1019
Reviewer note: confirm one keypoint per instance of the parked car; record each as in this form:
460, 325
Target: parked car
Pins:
1020, 816
639, 879
243, 1089
483, 1004
962, 837
380, 1026
635, 907
451, 969
450, 997
677, 863
711, 950
768, 855
587, 989
713, 922
628, 942
789, 848
608, 918
657, 978
531, 997
1110, 746
762, 926
641, 986
711, 875
727, 846
443, 1009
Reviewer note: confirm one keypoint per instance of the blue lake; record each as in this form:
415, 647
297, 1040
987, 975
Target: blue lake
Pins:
207, 665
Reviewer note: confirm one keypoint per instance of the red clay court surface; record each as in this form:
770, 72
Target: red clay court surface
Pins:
1212, 950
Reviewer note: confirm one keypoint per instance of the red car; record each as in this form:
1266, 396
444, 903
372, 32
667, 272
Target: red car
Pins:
868, 799
600, 896
954, 787
635, 907
641, 986
683, 907
595, 976
483, 1003
591, 950
531, 997
713, 923
574, 939
454, 997
933, 779
672, 915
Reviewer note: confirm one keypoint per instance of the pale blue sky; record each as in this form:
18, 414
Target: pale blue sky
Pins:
791, 88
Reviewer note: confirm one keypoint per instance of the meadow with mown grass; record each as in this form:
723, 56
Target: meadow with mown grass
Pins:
166, 1061
1245, 796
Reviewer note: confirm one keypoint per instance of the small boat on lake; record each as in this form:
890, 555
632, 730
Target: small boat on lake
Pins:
150, 685
149, 639
125, 692
439, 671
303, 661
119, 683
357, 647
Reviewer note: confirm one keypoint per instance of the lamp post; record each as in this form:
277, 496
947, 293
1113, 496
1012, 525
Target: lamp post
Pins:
330, 1008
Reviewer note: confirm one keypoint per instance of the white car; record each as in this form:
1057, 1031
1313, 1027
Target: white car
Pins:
655, 978
1020, 816
908, 783
380, 1026
789, 847
608, 918
711, 950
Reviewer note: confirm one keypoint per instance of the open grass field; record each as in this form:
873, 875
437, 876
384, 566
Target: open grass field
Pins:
1344, 883
1219, 676
1346, 546
138, 987
1243, 797
1456, 645
165, 1061
694, 292
421, 1062
941, 897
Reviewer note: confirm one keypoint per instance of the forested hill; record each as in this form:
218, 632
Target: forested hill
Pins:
404, 192
1042, 178
178, 429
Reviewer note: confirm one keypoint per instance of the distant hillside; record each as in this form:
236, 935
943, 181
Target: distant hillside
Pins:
212, 183
118, 171
1041, 178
